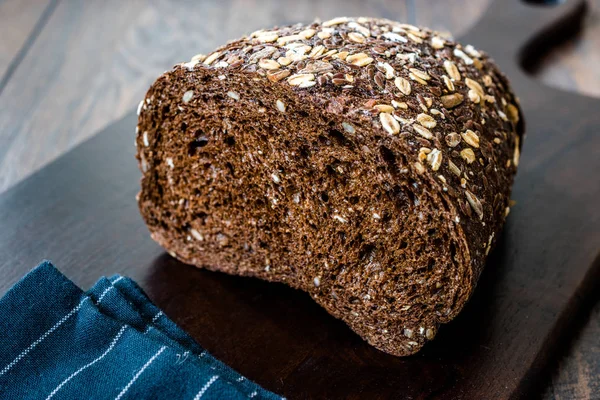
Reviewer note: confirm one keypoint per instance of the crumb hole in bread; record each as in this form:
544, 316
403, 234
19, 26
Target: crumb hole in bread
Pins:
324, 140
230, 168
367, 252
430, 265
409, 193
339, 138
304, 152
229, 140
197, 144
452, 251
200, 217
388, 157
159, 188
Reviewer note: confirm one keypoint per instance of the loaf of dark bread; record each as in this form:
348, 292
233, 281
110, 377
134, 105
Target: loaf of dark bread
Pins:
364, 161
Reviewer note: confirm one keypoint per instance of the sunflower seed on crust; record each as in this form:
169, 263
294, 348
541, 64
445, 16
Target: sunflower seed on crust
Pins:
471, 138
452, 100
335, 21
421, 130
356, 37
403, 85
269, 64
277, 75
452, 70
435, 159
437, 42
426, 120
299, 79
359, 59
452, 139
468, 155
389, 123
475, 203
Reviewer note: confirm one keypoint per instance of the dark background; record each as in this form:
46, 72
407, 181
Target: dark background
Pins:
70, 68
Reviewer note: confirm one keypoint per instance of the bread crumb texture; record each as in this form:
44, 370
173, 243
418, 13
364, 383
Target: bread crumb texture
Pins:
364, 161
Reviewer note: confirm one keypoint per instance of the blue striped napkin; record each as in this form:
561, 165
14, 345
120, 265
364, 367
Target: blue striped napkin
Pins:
110, 342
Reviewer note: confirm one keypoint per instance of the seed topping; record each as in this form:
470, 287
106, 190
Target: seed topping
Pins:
435, 159
426, 120
403, 85
452, 70
471, 138
187, 96
475, 203
269, 64
360, 59
389, 123
421, 130
468, 155
437, 42
452, 100
280, 105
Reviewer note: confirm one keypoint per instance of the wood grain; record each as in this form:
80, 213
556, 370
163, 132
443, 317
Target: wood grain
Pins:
575, 66
77, 76
65, 86
577, 374
18, 21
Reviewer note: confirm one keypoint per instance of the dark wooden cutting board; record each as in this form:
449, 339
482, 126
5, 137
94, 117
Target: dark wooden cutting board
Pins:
80, 212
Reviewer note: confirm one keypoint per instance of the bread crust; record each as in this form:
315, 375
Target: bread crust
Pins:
364, 161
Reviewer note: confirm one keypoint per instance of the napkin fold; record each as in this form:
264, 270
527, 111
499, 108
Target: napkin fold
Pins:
111, 342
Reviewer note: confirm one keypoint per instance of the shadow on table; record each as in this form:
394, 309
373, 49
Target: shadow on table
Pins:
281, 338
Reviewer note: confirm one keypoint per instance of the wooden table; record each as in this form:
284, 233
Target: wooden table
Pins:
69, 68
